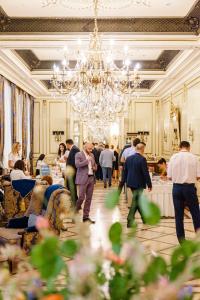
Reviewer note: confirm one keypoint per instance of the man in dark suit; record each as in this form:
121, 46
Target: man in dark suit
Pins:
137, 178
71, 162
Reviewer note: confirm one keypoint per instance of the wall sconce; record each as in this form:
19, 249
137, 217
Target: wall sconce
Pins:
191, 133
143, 135
58, 135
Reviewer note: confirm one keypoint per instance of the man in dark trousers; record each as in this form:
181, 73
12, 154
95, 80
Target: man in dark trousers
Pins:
137, 178
71, 162
184, 171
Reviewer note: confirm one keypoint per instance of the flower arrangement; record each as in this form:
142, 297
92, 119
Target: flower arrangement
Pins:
62, 270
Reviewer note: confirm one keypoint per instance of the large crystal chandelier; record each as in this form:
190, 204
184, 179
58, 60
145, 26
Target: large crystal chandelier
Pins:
95, 84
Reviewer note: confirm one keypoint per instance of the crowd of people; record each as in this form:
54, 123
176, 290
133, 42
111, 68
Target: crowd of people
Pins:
101, 162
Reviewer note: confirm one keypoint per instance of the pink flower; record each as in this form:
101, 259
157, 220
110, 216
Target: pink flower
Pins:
115, 258
42, 223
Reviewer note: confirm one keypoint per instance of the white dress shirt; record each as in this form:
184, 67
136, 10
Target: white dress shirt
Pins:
14, 157
90, 169
18, 174
183, 167
128, 152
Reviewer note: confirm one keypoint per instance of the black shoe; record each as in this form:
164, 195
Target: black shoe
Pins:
129, 224
105, 186
110, 185
88, 220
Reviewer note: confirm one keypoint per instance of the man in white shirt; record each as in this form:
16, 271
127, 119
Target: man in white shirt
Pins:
184, 171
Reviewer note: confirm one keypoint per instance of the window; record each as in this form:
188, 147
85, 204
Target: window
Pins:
7, 123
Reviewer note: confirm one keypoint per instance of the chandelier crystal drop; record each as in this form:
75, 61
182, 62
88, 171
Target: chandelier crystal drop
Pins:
96, 84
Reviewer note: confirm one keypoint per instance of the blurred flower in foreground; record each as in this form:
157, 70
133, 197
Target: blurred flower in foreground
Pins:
53, 297
114, 258
185, 293
42, 223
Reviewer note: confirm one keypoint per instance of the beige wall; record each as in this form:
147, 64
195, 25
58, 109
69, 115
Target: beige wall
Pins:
187, 99
52, 115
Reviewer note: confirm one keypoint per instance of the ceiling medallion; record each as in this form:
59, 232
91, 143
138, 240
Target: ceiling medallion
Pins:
96, 85
103, 4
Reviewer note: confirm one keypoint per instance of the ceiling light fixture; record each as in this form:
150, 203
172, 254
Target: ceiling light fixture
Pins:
96, 84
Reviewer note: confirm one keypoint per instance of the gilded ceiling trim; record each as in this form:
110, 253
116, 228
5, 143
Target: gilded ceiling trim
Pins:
33, 63
188, 25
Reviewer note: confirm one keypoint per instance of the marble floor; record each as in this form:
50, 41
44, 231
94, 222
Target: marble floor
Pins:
160, 239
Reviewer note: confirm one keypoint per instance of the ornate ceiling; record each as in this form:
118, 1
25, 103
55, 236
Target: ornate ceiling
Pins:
162, 37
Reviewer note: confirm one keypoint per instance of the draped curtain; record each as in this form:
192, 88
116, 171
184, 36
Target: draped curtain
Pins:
31, 111
24, 125
7, 122
1, 118
16, 120
14, 112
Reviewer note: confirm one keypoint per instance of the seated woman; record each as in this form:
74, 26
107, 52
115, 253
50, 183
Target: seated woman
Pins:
62, 153
40, 162
162, 164
19, 171
14, 155
38, 206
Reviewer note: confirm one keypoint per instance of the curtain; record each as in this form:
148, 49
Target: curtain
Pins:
14, 112
19, 112
31, 133
28, 147
24, 125
1, 118
7, 122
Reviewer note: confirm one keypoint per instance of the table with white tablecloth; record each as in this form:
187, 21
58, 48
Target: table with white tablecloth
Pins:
161, 195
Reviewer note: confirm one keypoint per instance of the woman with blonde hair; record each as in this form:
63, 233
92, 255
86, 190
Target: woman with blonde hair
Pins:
14, 155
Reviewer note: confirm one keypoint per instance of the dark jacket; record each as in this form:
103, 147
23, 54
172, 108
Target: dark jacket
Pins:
136, 172
71, 157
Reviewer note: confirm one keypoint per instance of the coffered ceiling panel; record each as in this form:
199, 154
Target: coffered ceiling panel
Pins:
119, 54
107, 8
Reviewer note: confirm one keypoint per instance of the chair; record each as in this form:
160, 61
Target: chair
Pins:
17, 196
59, 210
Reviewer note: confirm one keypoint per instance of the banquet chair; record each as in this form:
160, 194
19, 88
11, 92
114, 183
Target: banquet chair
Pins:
59, 211
17, 196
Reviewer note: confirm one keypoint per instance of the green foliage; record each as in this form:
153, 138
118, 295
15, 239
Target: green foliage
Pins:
150, 211
46, 259
118, 287
112, 199
115, 236
69, 248
181, 256
156, 268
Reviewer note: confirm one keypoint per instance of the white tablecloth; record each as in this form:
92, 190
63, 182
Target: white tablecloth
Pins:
161, 195
57, 180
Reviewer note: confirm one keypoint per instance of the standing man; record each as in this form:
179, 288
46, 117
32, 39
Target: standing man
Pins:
136, 176
86, 168
126, 152
184, 170
106, 162
71, 162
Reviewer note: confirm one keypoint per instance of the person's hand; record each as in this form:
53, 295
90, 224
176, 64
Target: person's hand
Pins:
149, 189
